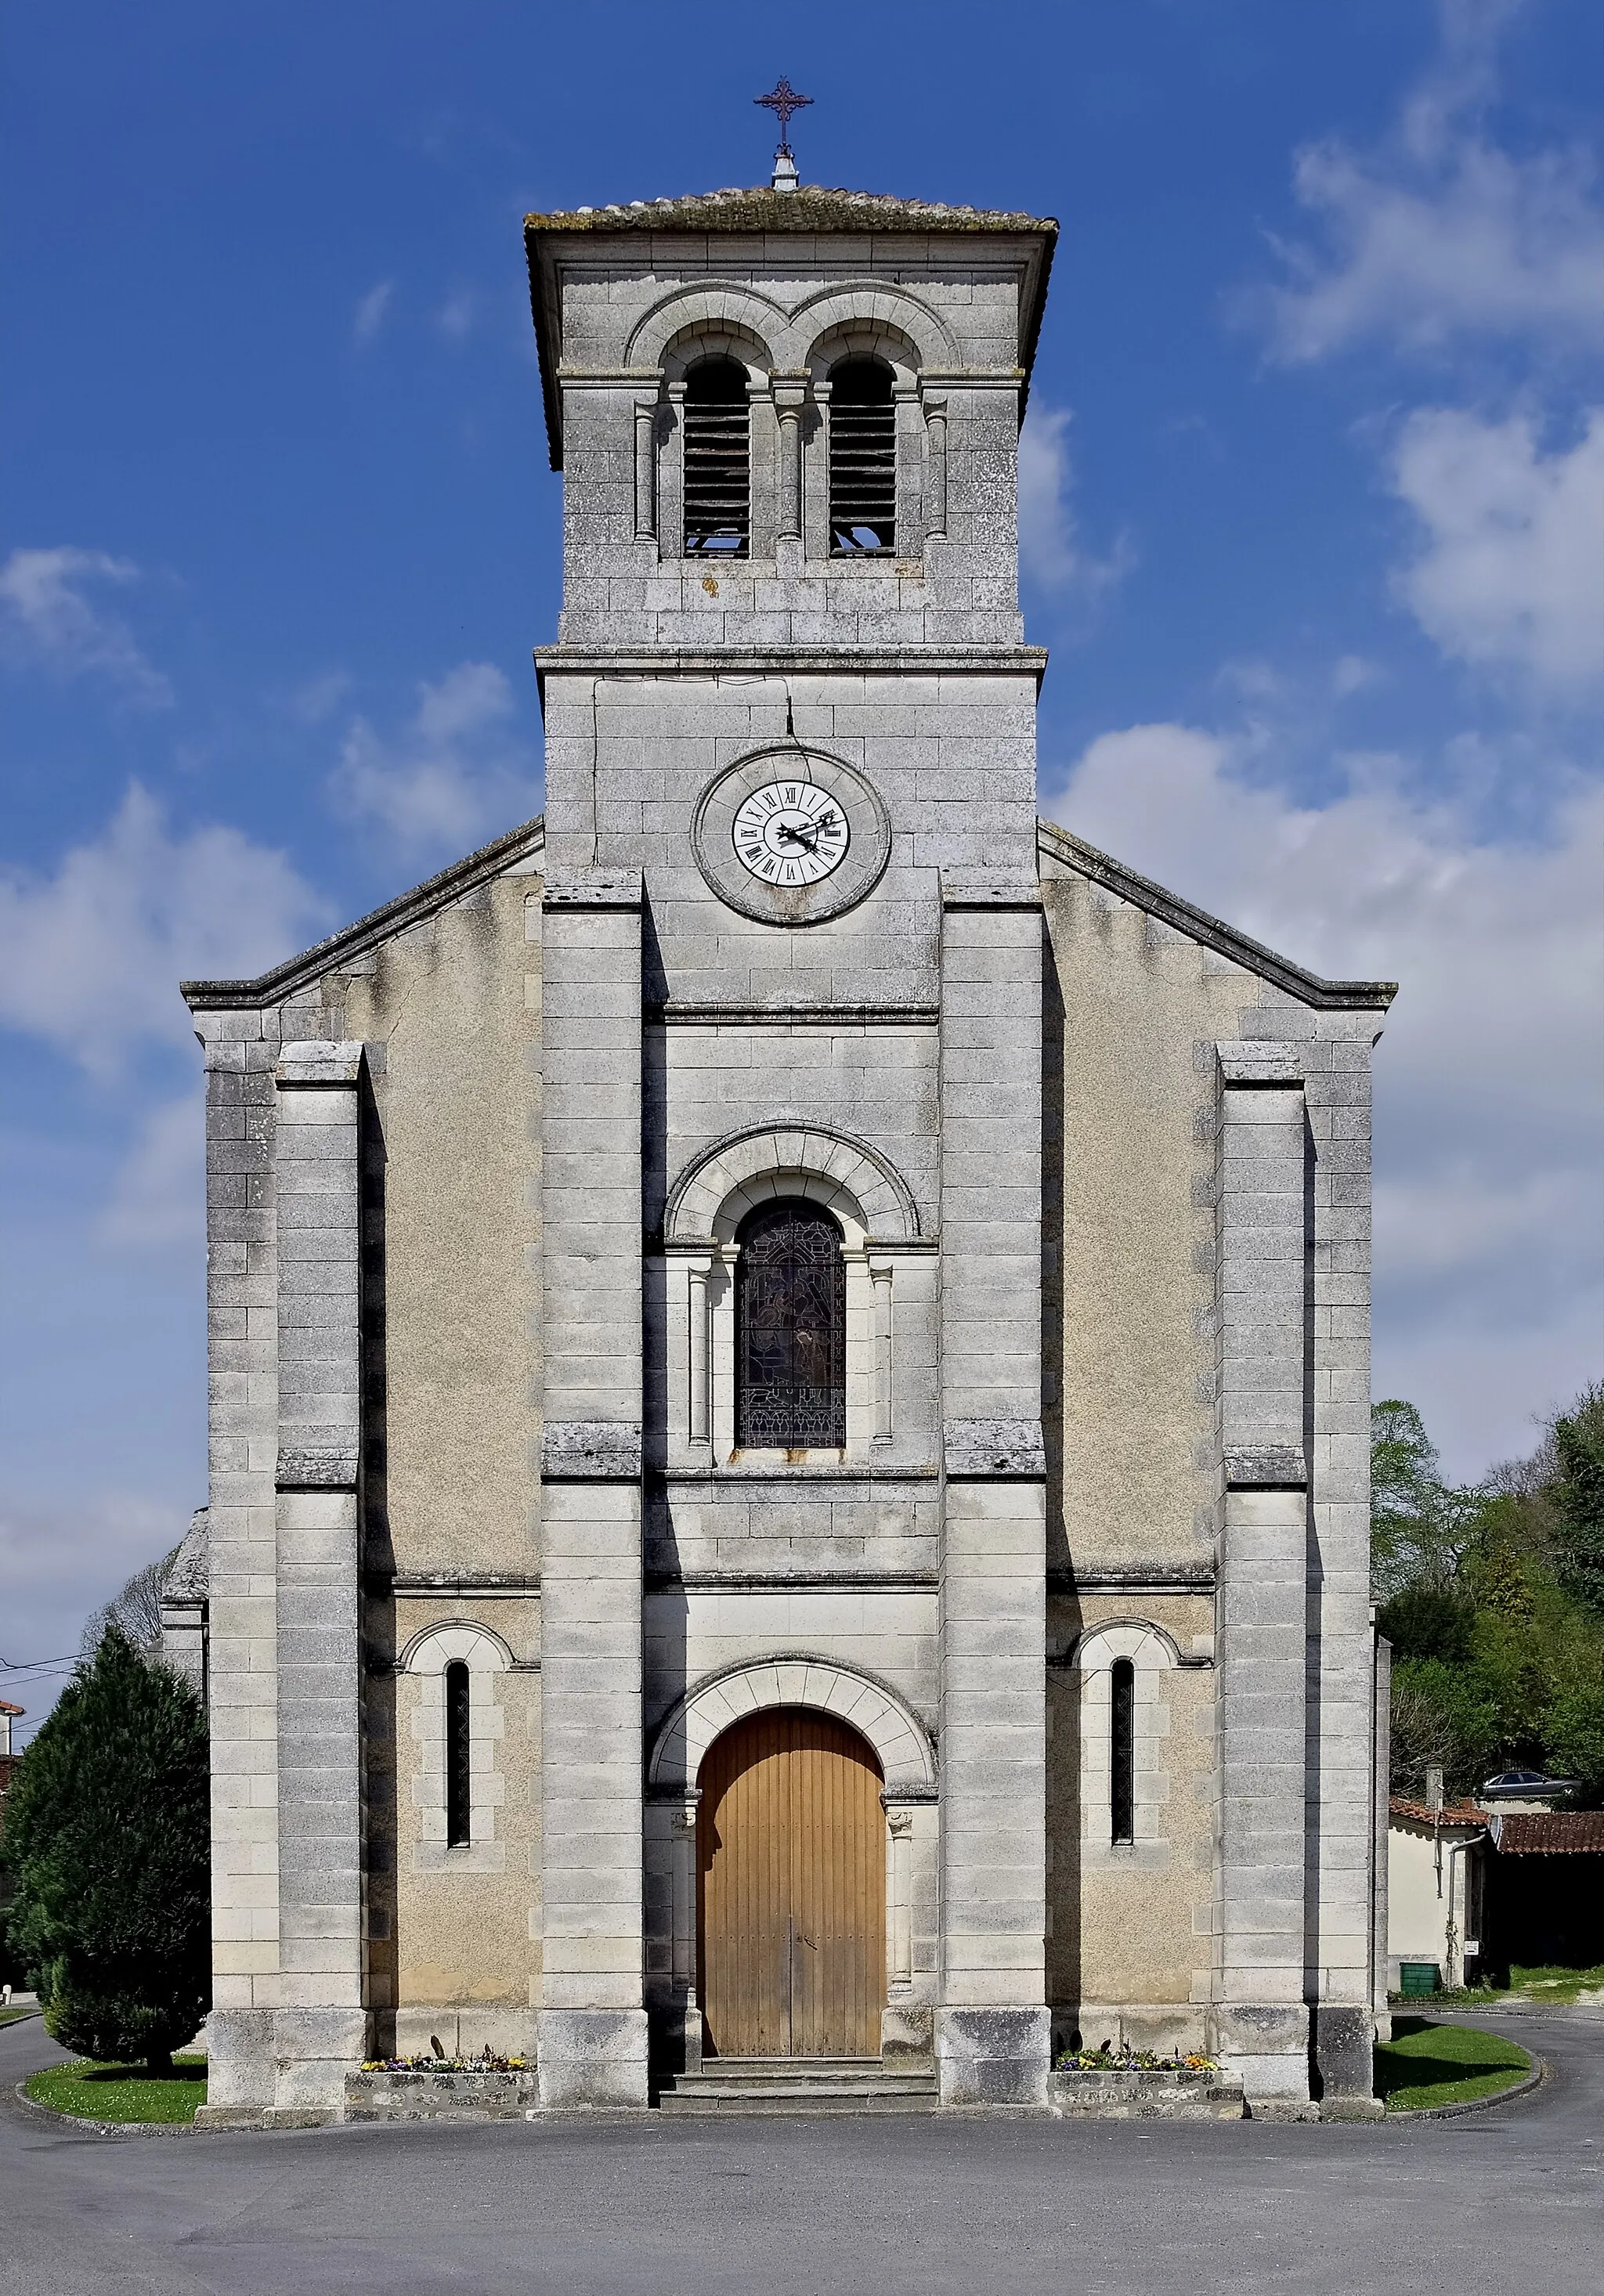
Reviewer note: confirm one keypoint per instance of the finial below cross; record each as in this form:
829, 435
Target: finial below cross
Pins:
783, 100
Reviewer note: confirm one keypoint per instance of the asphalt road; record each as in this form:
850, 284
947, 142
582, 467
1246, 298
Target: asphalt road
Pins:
1509, 2201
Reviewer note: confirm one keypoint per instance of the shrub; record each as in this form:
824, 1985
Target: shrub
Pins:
107, 1842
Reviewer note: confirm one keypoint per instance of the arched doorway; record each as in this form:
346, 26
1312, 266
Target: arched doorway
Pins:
791, 1889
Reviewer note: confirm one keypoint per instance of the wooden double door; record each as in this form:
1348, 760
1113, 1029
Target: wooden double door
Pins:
791, 1889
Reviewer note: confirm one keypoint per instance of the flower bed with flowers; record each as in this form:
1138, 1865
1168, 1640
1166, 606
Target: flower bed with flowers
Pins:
487, 2086
1108, 2059
1122, 2084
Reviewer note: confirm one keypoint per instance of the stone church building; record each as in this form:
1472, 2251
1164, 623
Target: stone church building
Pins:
789, 1343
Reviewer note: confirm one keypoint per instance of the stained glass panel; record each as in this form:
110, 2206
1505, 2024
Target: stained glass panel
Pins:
791, 1331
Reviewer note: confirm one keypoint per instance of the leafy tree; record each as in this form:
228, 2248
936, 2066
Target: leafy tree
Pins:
1579, 1444
1498, 1652
1576, 1740
1419, 1527
1427, 1622
106, 1840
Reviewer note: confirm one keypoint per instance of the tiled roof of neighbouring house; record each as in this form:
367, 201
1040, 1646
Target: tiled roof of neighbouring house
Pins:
1549, 1833
1419, 1813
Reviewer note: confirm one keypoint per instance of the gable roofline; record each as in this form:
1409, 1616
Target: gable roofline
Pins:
761, 212
439, 892
1196, 924
410, 909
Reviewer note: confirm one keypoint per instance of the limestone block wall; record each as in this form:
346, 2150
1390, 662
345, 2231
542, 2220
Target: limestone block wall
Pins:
450, 1014
949, 326
1164, 1465
1129, 1953
468, 1947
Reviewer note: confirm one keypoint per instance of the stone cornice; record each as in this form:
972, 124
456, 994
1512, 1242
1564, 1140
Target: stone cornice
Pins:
355, 940
744, 661
1196, 924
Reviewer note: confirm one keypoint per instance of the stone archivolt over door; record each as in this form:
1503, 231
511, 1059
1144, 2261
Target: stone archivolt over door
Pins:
791, 1889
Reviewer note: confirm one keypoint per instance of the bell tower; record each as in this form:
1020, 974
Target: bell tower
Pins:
792, 951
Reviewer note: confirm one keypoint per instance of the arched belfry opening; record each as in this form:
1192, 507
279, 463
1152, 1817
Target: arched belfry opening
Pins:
790, 1329
717, 461
863, 459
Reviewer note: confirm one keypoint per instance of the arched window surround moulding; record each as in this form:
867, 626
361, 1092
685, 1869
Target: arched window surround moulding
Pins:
795, 1679
1152, 1651
879, 1222
425, 1658
878, 1713
788, 355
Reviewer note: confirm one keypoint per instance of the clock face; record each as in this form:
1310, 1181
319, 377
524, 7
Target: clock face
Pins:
789, 835
790, 832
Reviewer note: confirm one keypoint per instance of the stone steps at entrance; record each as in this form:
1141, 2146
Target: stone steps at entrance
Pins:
802, 2084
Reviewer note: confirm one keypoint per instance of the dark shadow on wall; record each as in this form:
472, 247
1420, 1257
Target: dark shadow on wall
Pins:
655, 1177
1054, 1086
380, 1770
1065, 1623
1313, 1596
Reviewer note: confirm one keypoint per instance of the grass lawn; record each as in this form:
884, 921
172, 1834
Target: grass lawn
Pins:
1555, 1984
9, 2016
93, 2091
1426, 2063
1551, 1982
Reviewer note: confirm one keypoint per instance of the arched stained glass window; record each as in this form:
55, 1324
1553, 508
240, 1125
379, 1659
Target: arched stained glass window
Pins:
791, 1330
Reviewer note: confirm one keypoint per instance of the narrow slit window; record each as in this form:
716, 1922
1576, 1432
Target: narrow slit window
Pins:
717, 461
863, 459
1122, 1752
459, 1768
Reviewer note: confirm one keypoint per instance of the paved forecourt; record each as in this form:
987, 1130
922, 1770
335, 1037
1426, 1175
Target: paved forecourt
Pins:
1005, 2204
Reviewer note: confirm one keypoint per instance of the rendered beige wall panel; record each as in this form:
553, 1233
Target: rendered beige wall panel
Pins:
1132, 1409
448, 1014
991, 2026
592, 2024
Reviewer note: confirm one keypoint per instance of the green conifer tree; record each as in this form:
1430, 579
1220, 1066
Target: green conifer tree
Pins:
107, 1842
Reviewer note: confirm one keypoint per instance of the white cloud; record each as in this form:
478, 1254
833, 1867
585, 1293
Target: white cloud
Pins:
1440, 234
1490, 1100
1351, 673
453, 775
1511, 574
48, 621
321, 696
158, 1197
369, 315
1049, 552
458, 315
91, 956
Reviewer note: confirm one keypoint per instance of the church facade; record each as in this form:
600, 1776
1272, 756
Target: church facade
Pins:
789, 1343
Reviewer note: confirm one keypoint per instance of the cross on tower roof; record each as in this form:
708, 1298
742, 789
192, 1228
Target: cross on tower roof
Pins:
783, 100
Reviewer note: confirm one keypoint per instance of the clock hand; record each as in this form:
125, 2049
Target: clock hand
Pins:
808, 844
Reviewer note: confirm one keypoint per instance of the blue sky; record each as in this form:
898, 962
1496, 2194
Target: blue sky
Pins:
1312, 492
